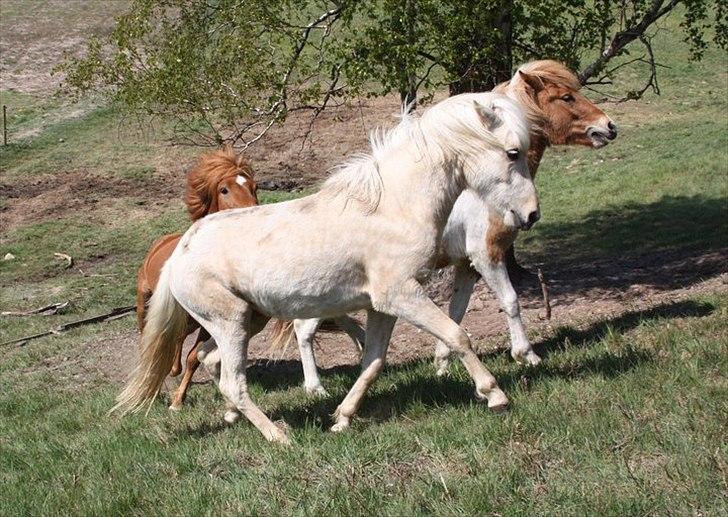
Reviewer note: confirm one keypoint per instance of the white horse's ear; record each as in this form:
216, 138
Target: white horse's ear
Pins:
487, 115
533, 81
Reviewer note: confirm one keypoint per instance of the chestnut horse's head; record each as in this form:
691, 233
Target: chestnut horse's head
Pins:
220, 180
549, 92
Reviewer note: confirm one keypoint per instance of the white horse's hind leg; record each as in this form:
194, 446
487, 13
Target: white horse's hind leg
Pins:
305, 332
379, 331
209, 356
496, 276
413, 305
465, 278
232, 335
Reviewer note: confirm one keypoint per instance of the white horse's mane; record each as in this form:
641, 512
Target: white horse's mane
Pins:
451, 128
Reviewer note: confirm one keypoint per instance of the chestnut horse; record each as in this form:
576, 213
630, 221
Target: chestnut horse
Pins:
220, 180
476, 240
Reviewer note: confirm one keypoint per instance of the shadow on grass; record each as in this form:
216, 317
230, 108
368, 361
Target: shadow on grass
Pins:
421, 386
670, 243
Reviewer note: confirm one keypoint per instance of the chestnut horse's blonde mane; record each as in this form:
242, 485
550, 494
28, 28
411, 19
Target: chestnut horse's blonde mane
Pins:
211, 169
547, 70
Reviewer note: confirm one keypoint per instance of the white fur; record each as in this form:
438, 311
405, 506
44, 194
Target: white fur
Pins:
357, 244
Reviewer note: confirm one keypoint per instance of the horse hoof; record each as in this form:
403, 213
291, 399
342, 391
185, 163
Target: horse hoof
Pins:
533, 359
529, 358
497, 400
317, 391
278, 436
231, 417
176, 408
442, 365
341, 425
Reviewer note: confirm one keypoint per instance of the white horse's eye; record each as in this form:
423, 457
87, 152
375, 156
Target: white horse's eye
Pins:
512, 154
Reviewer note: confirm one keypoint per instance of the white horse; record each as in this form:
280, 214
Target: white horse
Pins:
356, 244
475, 240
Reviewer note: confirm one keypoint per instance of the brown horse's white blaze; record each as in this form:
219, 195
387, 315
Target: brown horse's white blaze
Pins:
221, 180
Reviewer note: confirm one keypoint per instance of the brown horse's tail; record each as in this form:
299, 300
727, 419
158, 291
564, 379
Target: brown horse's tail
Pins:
281, 334
166, 325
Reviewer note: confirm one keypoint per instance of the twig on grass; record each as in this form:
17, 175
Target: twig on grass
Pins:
48, 310
545, 293
114, 314
67, 258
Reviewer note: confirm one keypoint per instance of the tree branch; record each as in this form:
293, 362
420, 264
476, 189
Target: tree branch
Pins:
622, 38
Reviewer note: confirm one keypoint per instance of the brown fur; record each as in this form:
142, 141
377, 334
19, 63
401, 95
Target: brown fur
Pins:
540, 89
499, 238
215, 171
211, 186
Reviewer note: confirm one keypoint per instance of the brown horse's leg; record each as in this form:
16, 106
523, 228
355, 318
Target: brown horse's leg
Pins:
192, 364
192, 325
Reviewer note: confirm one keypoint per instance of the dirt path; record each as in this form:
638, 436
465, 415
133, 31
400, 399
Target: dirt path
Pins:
582, 296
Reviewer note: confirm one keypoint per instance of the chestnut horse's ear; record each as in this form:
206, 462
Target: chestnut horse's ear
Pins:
487, 115
533, 81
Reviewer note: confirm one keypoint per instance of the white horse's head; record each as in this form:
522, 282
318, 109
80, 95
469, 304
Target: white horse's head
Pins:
503, 172
491, 132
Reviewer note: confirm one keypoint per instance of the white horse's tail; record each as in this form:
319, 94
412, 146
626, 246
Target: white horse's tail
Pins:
281, 334
166, 325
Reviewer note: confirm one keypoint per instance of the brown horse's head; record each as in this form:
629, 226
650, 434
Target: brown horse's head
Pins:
220, 180
549, 92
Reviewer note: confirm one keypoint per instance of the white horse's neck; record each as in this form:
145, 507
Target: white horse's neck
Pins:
425, 188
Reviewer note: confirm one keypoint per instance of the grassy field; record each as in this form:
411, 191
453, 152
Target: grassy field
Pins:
626, 415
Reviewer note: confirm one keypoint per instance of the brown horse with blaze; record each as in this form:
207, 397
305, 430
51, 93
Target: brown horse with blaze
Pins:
221, 180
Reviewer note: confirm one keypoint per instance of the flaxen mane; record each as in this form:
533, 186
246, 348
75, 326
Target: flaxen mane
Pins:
547, 70
451, 127
203, 179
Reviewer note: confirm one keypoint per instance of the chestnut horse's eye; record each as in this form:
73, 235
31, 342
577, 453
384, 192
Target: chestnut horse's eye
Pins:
567, 98
512, 154
224, 190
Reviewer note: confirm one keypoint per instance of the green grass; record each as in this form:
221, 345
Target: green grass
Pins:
625, 415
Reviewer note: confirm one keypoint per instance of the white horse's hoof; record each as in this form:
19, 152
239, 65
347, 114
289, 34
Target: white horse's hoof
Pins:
341, 425
175, 409
533, 359
317, 391
442, 365
497, 400
231, 417
278, 436
527, 357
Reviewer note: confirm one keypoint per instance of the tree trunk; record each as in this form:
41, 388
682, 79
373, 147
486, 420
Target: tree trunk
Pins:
408, 83
480, 73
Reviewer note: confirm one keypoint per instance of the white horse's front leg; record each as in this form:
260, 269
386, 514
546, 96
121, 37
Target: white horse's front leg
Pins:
465, 278
378, 334
305, 332
412, 304
496, 276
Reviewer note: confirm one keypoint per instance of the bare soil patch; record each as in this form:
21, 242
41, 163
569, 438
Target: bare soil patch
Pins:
582, 296
53, 196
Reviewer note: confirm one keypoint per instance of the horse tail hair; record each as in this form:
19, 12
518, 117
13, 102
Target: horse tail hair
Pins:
281, 334
166, 325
